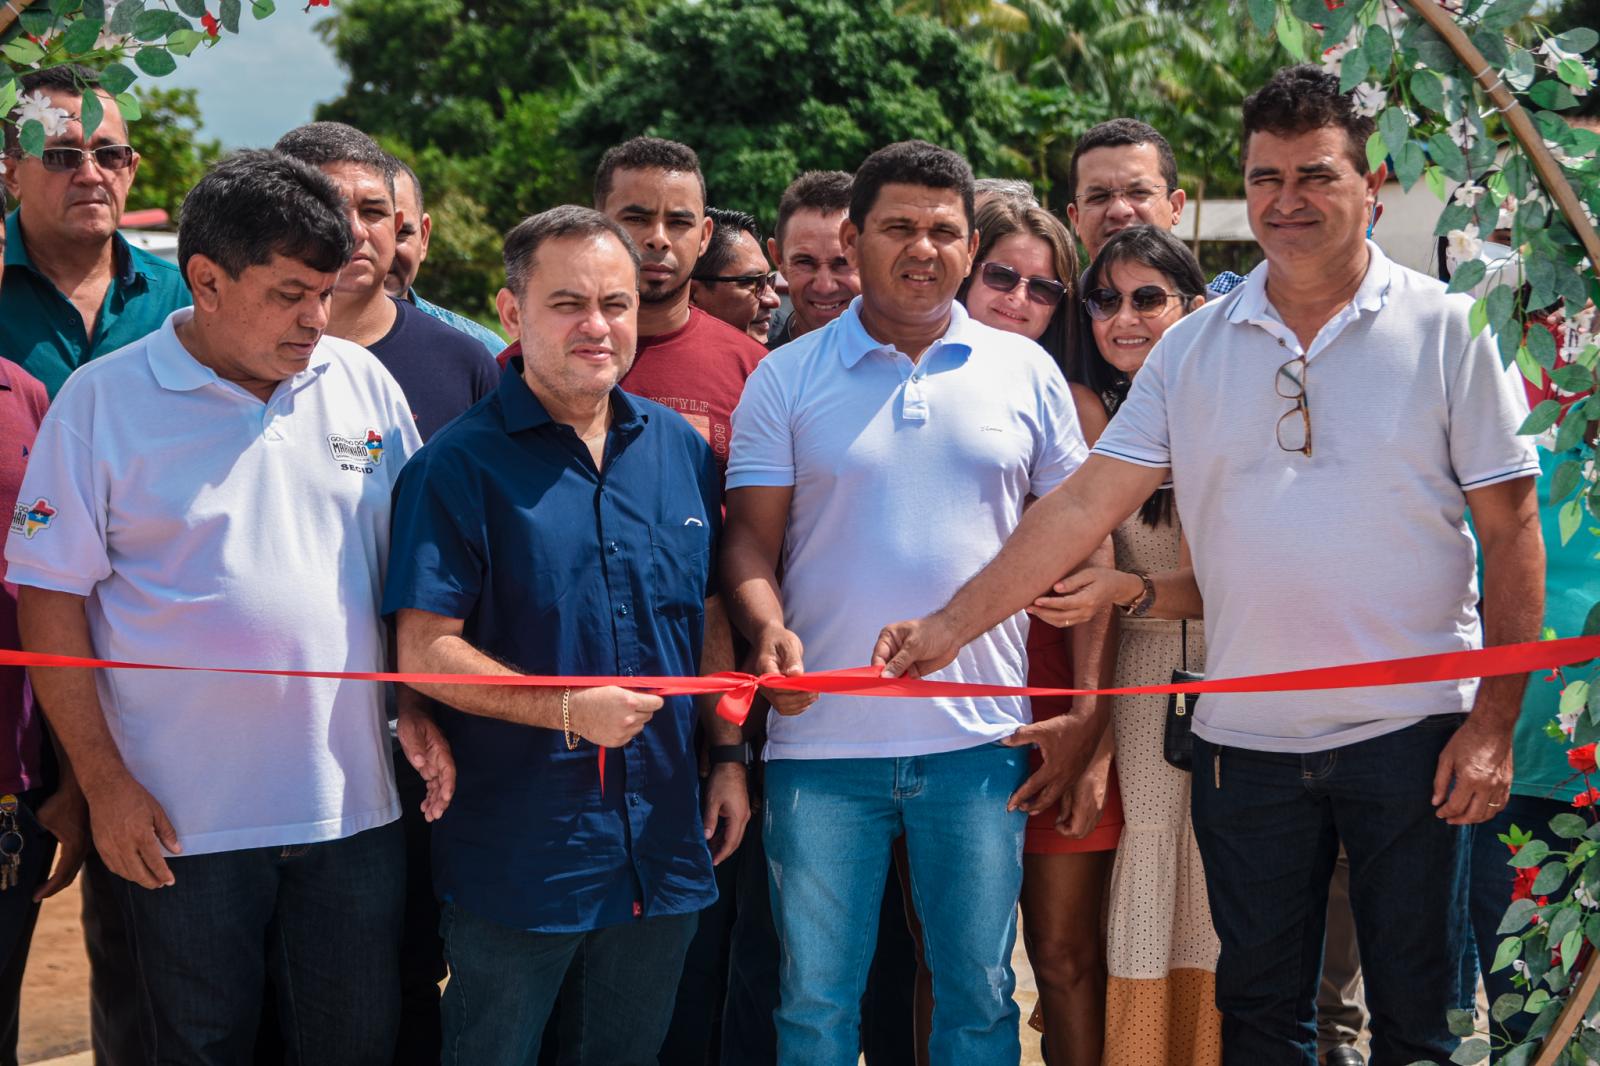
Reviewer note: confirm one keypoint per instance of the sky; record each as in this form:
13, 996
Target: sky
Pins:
266, 80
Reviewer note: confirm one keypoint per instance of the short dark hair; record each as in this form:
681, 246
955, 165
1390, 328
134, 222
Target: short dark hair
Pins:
256, 204
1122, 133
402, 167
824, 191
1302, 98
569, 220
909, 163
322, 143
728, 224
66, 78
645, 153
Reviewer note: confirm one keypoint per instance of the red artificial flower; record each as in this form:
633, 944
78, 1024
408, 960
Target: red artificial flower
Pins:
1523, 888
1586, 799
1333, 5
211, 24
1582, 759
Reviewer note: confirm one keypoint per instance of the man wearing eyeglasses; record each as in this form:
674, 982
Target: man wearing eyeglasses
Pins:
1325, 426
74, 288
733, 281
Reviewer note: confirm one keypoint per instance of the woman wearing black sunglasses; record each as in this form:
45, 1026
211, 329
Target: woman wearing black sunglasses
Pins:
1161, 948
1022, 282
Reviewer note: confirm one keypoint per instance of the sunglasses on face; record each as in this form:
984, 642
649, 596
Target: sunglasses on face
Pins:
1148, 301
1002, 278
754, 282
107, 157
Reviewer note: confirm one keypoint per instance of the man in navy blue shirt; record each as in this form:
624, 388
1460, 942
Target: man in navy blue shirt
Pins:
565, 527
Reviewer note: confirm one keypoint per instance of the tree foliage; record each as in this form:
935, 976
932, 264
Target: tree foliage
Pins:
173, 156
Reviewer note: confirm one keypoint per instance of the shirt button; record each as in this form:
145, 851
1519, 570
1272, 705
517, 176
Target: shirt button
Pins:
623, 610
633, 801
614, 548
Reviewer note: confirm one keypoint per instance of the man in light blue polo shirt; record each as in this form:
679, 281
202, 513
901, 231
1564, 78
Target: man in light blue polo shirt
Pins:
883, 459
218, 494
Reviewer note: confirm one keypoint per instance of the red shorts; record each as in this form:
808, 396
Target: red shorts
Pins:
1050, 666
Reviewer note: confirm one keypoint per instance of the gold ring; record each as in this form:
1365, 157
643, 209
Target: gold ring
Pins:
1494, 805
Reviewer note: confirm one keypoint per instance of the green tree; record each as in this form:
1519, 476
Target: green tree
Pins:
766, 90
173, 156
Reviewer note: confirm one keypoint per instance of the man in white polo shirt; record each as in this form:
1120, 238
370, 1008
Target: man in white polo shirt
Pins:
218, 494
885, 457
1326, 426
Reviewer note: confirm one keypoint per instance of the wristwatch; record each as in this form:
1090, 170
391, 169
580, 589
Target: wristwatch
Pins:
719, 753
1141, 606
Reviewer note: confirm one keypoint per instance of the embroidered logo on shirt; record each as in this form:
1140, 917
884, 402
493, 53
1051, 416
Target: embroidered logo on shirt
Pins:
365, 452
29, 519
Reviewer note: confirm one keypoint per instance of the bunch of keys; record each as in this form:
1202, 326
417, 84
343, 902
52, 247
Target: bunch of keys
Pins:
10, 842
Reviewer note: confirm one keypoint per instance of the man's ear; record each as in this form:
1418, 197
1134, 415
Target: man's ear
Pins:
773, 253
848, 236
510, 314
205, 277
424, 231
705, 236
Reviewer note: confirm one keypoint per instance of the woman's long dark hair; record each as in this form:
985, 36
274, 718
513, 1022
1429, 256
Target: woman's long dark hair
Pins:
1162, 252
1002, 217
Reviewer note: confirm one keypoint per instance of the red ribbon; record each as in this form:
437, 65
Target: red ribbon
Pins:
738, 690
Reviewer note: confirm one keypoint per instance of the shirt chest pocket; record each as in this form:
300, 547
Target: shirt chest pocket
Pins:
680, 560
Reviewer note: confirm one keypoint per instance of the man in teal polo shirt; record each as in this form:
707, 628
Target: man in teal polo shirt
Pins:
74, 289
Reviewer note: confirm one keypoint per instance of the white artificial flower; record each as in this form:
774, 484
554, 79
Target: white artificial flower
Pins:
1463, 132
1463, 247
1333, 58
1468, 194
37, 106
1554, 54
1584, 899
1559, 154
1369, 99
1508, 212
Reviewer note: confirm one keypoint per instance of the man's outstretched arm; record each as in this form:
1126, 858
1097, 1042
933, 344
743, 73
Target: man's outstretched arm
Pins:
1055, 535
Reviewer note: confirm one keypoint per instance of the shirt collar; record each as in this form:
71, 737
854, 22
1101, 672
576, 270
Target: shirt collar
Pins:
176, 370
1372, 294
122, 257
855, 343
522, 410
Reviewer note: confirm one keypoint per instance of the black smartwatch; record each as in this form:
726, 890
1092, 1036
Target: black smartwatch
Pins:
720, 753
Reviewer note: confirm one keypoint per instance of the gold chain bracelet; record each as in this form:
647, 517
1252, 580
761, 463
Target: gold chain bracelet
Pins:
566, 719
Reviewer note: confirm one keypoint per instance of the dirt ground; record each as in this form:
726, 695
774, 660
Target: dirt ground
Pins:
55, 992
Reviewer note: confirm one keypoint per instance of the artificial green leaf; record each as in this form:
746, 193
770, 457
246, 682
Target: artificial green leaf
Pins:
1574, 74
1547, 1018
1428, 90
1565, 479
1509, 341
116, 78
1408, 165
128, 104
1379, 47
1262, 13
1543, 346
1434, 178
90, 113
31, 136
1552, 95
1502, 13
62, 8
1492, 43
1570, 517
1502, 305
94, 9
193, 8
228, 15
1568, 826
1578, 40
1565, 919
38, 22
1570, 434
1377, 151
1470, 1051
1352, 70
262, 8
1541, 418
155, 62
1569, 950
1573, 378
1448, 156
183, 42
1529, 855
1454, 216
1507, 1006
124, 14
1292, 35
81, 36
1516, 919
1537, 1000
1337, 23
23, 52
1461, 1022
1574, 698
1550, 877
8, 96
1478, 319
1395, 127
155, 24
1468, 274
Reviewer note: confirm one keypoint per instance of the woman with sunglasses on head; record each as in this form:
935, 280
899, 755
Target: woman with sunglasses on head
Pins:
1022, 282
1161, 948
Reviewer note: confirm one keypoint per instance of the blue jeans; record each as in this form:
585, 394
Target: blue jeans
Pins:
830, 824
320, 921
617, 988
1492, 879
1269, 827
